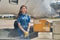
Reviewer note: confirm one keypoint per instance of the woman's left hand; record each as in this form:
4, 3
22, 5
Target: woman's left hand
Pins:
26, 34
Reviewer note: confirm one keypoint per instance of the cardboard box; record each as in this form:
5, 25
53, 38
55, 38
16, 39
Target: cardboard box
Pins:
41, 26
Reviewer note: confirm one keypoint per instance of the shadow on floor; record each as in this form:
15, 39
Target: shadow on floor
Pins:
13, 33
8, 33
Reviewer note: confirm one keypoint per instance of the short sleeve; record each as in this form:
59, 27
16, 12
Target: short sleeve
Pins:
28, 19
18, 19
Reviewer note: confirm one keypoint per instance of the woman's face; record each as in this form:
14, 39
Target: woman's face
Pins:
24, 10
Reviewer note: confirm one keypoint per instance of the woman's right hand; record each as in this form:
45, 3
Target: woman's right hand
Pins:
26, 33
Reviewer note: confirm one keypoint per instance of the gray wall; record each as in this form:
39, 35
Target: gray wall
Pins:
36, 8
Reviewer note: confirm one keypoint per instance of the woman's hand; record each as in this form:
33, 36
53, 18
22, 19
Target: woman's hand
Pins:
26, 33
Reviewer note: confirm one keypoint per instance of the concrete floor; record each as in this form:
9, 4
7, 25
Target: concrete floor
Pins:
11, 34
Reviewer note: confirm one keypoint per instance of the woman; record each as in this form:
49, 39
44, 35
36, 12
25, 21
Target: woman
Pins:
23, 22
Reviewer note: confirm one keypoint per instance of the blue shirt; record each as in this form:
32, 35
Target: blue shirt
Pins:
24, 20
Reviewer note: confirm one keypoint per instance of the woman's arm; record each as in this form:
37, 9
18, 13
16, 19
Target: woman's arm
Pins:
21, 27
25, 32
28, 27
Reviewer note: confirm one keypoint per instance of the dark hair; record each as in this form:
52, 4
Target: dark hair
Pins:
20, 9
